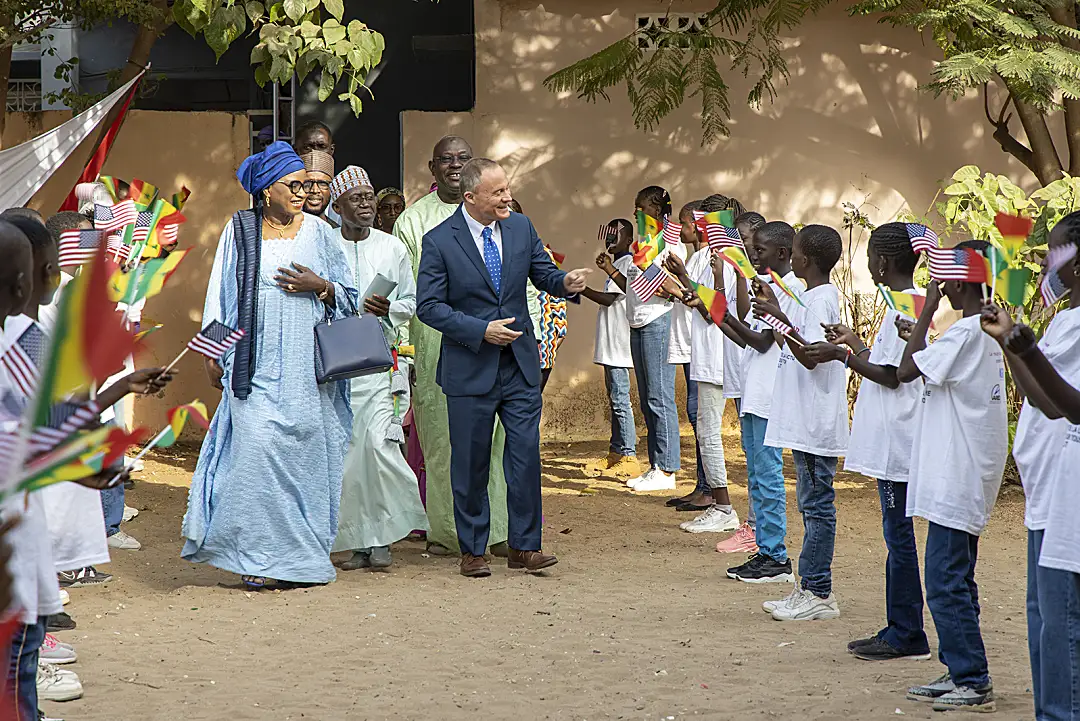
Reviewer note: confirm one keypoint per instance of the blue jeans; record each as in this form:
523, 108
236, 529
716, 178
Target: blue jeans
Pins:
903, 587
817, 504
953, 599
751, 517
22, 669
765, 469
112, 505
1053, 612
656, 392
691, 413
623, 433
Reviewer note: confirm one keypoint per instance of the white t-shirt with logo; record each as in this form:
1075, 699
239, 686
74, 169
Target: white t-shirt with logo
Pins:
884, 420
707, 357
1061, 537
759, 373
815, 418
961, 431
679, 343
1038, 438
641, 314
734, 354
612, 328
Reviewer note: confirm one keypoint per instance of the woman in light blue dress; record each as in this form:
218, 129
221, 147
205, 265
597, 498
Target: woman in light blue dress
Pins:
265, 494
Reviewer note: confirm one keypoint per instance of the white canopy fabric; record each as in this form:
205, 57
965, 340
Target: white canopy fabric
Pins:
27, 166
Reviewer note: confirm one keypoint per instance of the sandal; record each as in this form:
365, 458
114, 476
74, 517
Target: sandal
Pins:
253, 583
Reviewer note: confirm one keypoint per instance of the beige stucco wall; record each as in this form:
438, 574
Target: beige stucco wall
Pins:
170, 150
850, 126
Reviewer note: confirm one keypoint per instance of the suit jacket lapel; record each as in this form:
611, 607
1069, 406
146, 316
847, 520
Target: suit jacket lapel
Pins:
507, 249
464, 237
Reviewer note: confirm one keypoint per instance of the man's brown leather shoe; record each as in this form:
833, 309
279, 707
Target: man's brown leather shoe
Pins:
474, 566
531, 561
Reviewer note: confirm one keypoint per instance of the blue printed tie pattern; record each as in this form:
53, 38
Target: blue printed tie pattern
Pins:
492, 259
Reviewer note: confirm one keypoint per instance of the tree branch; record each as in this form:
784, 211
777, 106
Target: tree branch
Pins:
1065, 14
1004, 138
1045, 162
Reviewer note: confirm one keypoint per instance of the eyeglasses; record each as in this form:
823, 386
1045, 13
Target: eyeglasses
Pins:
320, 184
358, 198
448, 159
297, 185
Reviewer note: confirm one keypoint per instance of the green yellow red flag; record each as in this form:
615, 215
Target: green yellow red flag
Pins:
737, 257
715, 302
146, 280
1014, 231
908, 304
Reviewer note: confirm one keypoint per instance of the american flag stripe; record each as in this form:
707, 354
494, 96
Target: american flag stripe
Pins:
78, 246
963, 264
1052, 288
213, 340
672, 233
64, 420
646, 283
776, 324
921, 237
24, 358
720, 237
109, 218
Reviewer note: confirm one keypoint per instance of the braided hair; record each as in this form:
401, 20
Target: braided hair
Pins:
690, 207
719, 201
656, 194
1070, 226
750, 219
891, 241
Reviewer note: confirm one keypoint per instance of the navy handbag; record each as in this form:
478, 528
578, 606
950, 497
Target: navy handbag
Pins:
351, 347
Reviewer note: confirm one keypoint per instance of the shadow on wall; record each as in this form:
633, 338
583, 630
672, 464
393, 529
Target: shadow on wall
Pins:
850, 124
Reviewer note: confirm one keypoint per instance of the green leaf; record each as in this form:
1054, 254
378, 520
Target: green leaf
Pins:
259, 54
335, 8
956, 189
220, 33
295, 9
968, 172
326, 85
356, 29
343, 48
309, 29
189, 17
333, 32
304, 66
262, 77
203, 6
356, 104
357, 60
277, 12
380, 47
313, 5
255, 11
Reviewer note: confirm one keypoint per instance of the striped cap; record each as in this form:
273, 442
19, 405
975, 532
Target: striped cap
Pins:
348, 179
319, 162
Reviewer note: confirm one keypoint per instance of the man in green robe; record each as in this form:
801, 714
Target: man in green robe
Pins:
428, 403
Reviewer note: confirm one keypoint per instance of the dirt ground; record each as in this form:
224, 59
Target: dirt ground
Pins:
636, 622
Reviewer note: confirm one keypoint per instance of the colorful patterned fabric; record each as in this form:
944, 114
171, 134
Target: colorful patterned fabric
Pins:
552, 328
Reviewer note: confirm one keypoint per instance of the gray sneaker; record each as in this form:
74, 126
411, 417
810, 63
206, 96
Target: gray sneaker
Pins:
968, 699
380, 557
932, 691
360, 559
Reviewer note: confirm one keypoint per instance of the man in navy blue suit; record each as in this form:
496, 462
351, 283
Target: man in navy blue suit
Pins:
471, 288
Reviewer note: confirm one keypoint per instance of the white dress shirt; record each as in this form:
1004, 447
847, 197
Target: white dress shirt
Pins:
477, 231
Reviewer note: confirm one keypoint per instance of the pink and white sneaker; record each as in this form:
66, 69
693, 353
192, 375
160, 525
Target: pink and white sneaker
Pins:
56, 652
742, 541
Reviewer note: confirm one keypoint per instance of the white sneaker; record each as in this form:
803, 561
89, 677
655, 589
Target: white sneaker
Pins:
633, 482
123, 541
807, 608
714, 520
685, 525
53, 652
130, 513
55, 684
794, 597
65, 597
656, 480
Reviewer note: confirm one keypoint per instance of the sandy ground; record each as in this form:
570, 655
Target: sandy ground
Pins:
636, 622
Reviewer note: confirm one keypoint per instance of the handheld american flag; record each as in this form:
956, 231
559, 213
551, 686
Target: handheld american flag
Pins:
921, 237
672, 233
720, 236
647, 282
776, 324
77, 246
213, 340
64, 419
108, 218
24, 358
963, 264
1052, 287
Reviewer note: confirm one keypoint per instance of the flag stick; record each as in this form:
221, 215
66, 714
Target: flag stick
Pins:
153, 442
175, 361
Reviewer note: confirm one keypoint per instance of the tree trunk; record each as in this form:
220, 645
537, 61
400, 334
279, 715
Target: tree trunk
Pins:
147, 35
1047, 164
1066, 15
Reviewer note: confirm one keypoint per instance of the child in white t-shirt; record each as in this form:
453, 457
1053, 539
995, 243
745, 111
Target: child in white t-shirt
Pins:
814, 423
880, 445
612, 353
765, 464
1047, 453
957, 460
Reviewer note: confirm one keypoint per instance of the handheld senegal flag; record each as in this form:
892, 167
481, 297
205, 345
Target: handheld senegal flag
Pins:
1014, 231
85, 456
179, 199
650, 242
908, 304
1012, 285
715, 303
178, 418
142, 193
737, 257
143, 333
145, 281
783, 287
647, 226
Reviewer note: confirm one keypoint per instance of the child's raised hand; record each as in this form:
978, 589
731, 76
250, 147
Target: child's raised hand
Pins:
933, 295
691, 300
603, 262
761, 307
674, 263
904, 327
840, 334
764, 292
995, 322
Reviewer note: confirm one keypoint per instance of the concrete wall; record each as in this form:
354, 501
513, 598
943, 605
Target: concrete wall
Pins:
850, 126
201, 151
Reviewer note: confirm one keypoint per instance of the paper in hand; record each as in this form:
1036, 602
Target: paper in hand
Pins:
380, 286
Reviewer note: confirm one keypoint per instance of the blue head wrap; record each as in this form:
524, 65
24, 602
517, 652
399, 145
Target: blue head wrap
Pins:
261, 170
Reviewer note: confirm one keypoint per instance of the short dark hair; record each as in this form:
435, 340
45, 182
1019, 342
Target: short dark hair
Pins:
40, 238
822, 245
777, 233
312, 126
64, 220
891, 240
622, 225
22, 213
982, 246
658, 195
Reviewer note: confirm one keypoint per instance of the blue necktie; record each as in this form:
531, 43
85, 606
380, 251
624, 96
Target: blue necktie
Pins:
492, 259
